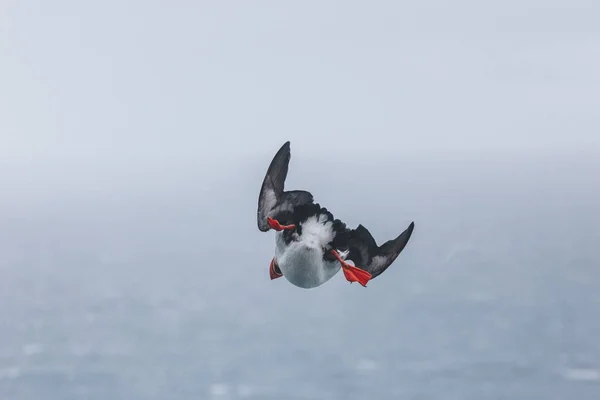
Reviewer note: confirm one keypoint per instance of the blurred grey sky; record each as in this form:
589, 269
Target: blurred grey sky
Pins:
145, 82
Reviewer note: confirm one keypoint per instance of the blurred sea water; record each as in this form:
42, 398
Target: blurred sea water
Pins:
163, 292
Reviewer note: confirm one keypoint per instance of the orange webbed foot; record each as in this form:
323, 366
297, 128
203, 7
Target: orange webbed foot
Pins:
274, 224
352, 273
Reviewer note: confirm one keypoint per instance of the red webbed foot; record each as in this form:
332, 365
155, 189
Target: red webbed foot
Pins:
274, 224
352, 273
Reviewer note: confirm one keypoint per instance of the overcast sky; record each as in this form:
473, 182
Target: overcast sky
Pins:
136, 81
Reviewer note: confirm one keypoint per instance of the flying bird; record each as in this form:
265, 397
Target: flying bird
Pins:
311, 246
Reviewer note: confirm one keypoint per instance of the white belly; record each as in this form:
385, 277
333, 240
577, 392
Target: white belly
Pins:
302, 264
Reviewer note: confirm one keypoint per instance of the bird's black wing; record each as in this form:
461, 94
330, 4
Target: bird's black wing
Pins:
366, 255
273, 201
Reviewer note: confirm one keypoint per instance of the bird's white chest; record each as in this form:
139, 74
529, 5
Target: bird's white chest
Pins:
301, 261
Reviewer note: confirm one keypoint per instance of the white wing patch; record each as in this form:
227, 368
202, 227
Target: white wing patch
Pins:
268, 202
378, 262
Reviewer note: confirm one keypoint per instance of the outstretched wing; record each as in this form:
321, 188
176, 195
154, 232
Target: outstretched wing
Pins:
365, 253
273, 201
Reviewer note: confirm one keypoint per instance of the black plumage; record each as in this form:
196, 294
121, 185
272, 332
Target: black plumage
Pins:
297, 206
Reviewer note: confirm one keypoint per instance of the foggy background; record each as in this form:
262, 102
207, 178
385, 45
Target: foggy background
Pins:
134, 137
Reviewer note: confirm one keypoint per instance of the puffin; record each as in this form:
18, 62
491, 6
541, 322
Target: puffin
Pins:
311, 246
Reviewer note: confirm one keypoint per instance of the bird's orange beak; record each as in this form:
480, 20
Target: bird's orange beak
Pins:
274, 270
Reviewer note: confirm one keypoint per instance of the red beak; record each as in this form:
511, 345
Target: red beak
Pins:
274, 270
